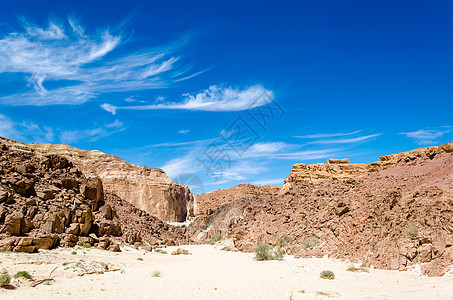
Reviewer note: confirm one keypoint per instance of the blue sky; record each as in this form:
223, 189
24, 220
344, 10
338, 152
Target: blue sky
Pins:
230, 92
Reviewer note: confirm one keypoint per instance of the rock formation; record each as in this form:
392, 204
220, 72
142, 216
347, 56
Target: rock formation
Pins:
341, 169
207, 202
148, 189
46, 202
392, 217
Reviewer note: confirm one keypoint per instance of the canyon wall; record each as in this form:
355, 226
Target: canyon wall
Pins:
148, 189
341, 169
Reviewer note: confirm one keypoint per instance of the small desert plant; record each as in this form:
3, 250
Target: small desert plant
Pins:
327, 274
24, 274
310, 242
285, 241
160, 251
5, 279
180, 251
156, 274
86, 245
354, 269
74, 252
265, 251
412, 230
327, 294
65, 264
226, 249
140, 259
373, 245
216, 238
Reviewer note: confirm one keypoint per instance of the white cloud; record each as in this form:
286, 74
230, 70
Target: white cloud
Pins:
91, 134
276, 181
348, 140
25, 131
184, 131
7, 127
181, 165
81, 66
425, 137
326, 135
215, 98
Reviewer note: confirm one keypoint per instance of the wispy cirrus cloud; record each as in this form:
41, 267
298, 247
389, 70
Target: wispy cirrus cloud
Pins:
25, 131
30, 132
338, 138
215, 98
425, 136
353, 140
326, 135
81, 66
92, 134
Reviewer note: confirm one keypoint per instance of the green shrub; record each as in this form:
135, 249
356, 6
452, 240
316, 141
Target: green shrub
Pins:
354, 269
226, 249
160, 251
140, 259
5, 279
74, 252
156, 274
216, 238
180, 251
264, 251
412, 230
285, 241
24, 274
86, 245
327, 274
310, 242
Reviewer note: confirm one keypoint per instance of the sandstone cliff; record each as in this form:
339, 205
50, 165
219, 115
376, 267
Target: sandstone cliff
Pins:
341, 169
148, 189
46, 202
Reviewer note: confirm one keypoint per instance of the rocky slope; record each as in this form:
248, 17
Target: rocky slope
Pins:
46, 202
148, 189
341, 169
207, 202
392, 218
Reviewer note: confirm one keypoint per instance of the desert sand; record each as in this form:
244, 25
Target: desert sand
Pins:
208, 273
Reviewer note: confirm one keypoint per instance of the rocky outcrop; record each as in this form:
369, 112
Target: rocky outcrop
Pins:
148, 189
46, 202
392, 219
208, 202
341, 169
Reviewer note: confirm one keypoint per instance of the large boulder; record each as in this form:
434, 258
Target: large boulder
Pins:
92, 190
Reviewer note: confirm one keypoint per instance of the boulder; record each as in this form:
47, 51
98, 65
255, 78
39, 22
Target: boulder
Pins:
92, 190
46, 241
25, 188
106, 212
52, 224
3, 195
12, 223
73, 228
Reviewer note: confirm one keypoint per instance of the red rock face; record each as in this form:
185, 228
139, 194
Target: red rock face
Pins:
148, 189
207, 202
46, 202
391, 219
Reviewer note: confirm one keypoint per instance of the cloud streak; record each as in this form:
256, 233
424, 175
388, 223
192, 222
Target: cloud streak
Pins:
425, 137
79, 66
215, 98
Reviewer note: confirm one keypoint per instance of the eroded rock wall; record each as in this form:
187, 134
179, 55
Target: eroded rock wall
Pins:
148, 189
341, 169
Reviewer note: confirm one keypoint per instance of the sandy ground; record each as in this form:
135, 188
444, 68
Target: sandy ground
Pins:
208, 273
